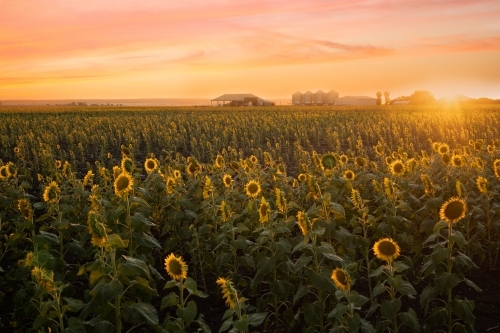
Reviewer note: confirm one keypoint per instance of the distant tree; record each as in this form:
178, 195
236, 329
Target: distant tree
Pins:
422, 97
379, 98
387, 97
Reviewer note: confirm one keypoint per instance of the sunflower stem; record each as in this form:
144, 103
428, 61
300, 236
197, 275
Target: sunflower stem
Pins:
450, 263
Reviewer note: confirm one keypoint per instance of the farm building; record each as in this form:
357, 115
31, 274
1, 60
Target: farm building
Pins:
331, 96
307, 98
297, 98
319, 97
356, 100
240, 100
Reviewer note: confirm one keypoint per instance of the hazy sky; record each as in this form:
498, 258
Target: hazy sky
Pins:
203, 48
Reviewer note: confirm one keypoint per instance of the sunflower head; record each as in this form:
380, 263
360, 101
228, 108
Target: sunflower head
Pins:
24, 207
193, 168
496, 164
227, 180
304, 223
95, 226
388, 160
360, 162
170, 185
44, 279
356, 198
388, 187
411, 164
453, 210
151, 164
328, 161
51, 193
123, 184
17, 150
482, 184
229, 293
344, 159
254, 160
397, 168
252, 189
225, 211
263, 211
208, 188
478, 145
87, 180
126, 152
341, 279
379, 150
457, 161
302, 177
349, 175
427, 183
435, 146
234, 165
386, 249
219, 161
4, 173
127, 165
443, 148
176, 267
58, 164
446, 158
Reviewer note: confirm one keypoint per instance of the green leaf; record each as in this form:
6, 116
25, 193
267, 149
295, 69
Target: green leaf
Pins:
410, 319
242, 324
74, 305
104, 292
366, 326
338, 312
115, 241
445, 280
204, 327
301, 292
133, 267
141, 310
472, 285
255, 319
99, 326
463, 260
354, 322
46, 238
146, 240
377, 272
283, 246
337, 210
170, 284
74, 326
169, 300
188, 313
438, 316
400, 266
389, 309
463, 309
312, 313
357, 299
240, 243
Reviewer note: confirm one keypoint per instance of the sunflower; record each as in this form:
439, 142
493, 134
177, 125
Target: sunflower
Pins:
388, 187
386, 249
427, 183
24, 207
219, 161
459, 188
478, 145
379, 150
126, 152
151, 164
51, 193
57, 164
302, 177
225, 211
4, 173
304, 223
263, 211
388, 160
328, 161
95, 226
193, 168
254, 160
44, 278
446, 158
17, 150
127, 165
208, 188
227, 180
88, 178
443, 148
411, 164
252, 188
457, 161
356, 198
341, 279
228, 292
360, 162
497, 172
170, 185
11, 169
234, 165
349, 174
344, 159
176, 267
279, 200
482, 184
123, 184
435, 146
496, 164
452, 210
116, 171
397, 168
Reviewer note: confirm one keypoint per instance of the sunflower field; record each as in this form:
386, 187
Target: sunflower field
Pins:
276, 219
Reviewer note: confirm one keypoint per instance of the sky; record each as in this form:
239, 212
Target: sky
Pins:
68, 49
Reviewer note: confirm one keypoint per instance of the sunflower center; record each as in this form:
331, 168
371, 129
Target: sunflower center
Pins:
175, 267
263, 209
398, 168
387, 248
193, 168
122, 183
341, 277
349, 175
151, 164
253, 188
454, 210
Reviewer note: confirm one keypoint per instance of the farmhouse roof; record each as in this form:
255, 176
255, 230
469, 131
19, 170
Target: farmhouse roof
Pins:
235, 97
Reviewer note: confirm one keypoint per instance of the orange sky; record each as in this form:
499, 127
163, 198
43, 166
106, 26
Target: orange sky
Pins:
200, 48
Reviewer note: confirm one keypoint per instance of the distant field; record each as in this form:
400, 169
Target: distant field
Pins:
328, 219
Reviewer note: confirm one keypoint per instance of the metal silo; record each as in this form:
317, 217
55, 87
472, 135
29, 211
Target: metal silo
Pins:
319, 97
331, 96
307, 98
297, 98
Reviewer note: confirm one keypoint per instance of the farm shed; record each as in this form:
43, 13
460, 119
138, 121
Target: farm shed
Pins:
307, 98
356, 100
240, 100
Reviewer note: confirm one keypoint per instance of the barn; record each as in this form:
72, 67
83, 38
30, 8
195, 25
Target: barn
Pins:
240, 100
356, 100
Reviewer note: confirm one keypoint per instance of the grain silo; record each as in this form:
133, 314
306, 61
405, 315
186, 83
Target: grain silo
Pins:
319, 97
307, 98
297, 98
331, 96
